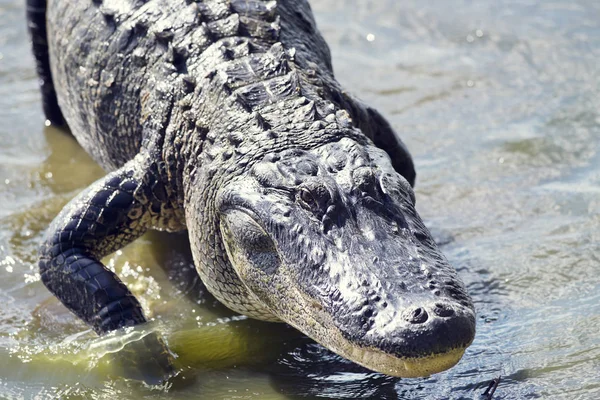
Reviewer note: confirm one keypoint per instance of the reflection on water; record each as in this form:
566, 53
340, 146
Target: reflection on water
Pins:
497, 100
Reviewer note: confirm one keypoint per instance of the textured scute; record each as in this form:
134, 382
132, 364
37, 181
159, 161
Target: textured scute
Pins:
230, 106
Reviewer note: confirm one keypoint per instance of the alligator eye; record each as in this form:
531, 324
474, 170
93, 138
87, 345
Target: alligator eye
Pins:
307, 198
308, 201
314, 197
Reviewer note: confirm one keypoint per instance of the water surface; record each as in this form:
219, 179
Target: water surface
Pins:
498, 101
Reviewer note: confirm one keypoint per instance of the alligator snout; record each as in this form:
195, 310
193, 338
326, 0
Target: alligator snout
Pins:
425, 330
410, 326
419, 340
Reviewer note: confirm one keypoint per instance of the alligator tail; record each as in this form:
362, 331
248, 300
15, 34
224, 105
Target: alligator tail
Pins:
36, 21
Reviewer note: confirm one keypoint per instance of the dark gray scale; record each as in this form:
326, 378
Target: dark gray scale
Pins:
257, 68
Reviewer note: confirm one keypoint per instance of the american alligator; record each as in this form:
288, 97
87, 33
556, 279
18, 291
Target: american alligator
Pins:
223, 117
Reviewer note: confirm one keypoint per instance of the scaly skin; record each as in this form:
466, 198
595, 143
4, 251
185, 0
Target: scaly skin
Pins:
224, 118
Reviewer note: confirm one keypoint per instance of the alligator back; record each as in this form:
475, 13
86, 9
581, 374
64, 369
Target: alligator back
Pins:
110, 58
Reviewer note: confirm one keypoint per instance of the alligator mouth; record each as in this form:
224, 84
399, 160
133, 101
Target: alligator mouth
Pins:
413, 367
394, 365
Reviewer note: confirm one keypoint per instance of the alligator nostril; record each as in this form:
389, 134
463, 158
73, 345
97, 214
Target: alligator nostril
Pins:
442, 310
416, 316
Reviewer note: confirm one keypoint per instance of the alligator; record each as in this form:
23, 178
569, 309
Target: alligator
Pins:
223, 118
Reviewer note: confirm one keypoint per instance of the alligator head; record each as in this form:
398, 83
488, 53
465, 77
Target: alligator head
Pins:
329, 241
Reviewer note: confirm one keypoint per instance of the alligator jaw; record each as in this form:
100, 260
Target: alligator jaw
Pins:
404, 368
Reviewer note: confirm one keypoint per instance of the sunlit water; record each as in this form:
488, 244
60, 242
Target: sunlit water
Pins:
498, 101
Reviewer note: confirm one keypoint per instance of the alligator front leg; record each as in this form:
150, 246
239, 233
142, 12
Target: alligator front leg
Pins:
109, 214
106, 216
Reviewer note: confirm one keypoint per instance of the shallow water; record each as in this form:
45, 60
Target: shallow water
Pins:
498, 102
